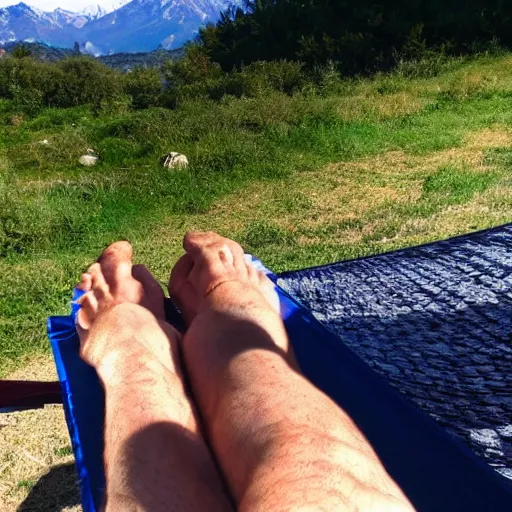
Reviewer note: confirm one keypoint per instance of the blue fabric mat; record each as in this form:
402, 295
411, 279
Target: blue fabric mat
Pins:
437, 471
436, 322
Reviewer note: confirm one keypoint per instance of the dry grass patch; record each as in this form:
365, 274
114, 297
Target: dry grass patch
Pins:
492, 137
36, 367
344, 203
379, 198
398, 104
36, 463
381, 106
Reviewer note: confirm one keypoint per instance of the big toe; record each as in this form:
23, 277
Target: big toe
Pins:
116, 265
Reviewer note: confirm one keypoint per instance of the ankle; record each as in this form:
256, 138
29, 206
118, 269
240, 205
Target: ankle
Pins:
239, 299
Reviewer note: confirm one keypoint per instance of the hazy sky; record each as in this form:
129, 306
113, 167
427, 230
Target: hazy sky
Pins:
71, 5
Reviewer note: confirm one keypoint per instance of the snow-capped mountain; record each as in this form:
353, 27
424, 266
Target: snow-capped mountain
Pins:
131, 26
62, 18
21, 22
142, 25
93, 12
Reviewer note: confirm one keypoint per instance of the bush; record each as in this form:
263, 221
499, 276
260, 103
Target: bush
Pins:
33, 85
282, 75
87, 81
195, 67
144, 86
329, 79
255, 80
30, 84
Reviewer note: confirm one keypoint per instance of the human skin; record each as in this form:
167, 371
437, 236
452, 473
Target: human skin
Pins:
155, 456
279, 442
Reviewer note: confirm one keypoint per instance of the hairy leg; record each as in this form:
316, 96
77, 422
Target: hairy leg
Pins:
281, 443
155, 456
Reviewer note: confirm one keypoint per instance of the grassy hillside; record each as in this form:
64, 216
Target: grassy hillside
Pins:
337, 170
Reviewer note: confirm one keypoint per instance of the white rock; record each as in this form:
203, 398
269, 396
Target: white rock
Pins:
175, 160
44, 142
88, 160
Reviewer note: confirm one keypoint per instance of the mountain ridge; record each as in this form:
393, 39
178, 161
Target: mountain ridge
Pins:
136, 26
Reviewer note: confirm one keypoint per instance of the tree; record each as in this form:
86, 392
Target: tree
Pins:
359, 35
21, 52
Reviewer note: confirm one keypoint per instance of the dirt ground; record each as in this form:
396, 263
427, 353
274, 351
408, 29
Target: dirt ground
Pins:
37, 471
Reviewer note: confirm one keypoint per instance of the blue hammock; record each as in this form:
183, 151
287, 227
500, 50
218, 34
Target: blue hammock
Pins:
415, 345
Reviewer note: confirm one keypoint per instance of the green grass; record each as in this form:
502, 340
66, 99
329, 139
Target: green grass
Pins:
260, 171
63, 452
26, 484
454, 185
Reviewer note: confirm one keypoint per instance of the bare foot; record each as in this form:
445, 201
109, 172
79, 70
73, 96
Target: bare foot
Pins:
155, 456
281, 443
121, 297
212, 262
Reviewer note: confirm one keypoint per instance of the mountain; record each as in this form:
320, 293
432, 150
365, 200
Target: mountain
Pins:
41, 51
93, 12
143, 25
24, 23
121, 61
136, 26
62, 18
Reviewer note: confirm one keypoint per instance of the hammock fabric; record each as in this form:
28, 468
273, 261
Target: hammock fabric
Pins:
382, 336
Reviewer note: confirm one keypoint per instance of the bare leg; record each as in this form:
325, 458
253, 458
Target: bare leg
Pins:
155, 457
281, 443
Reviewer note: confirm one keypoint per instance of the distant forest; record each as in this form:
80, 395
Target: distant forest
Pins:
358, 35
121, 61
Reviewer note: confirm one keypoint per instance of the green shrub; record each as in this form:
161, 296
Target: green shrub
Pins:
194, 67
195, 77
329, 79
87, 81
282, 75
27, 100
33, 85
30, 84
144, 86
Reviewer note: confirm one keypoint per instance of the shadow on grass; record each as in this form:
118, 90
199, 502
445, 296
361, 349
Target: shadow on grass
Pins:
54, 491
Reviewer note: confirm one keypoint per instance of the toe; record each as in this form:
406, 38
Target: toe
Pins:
99, 285
85, 282
153, 296
181, 290
88, 311
253, 274
116, 265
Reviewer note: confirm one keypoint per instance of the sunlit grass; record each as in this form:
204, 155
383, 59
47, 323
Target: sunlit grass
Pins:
354, 168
